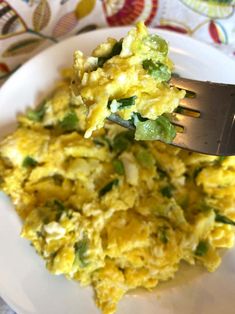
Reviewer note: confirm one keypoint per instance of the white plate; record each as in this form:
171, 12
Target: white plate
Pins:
24, 282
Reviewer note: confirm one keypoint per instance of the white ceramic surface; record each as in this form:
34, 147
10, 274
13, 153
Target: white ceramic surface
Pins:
24, 282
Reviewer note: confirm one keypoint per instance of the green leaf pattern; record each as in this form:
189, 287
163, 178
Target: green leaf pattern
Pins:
65, 24
41, 15
22, 46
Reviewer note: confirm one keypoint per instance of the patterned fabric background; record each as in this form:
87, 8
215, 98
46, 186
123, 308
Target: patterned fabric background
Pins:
28, 26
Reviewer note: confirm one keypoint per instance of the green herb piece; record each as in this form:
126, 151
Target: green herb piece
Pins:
163, 235
167, 191
136, 117
118, 166
190, 94
157, 70
101, 61
108, 187
145, 158
58, 179
29, 162
221, 159
37, 114
98, 142
159, 129
59, 207
69, 213
39, 234
103, 141
162, 173
123, 103
205, 207
81, 248
202, 248
156, 44
117, 48
179, 110
69, 122
53, 254
224, 219
196, 172
122, 141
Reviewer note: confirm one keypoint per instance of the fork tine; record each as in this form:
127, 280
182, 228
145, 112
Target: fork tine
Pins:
198, 134
197, 87
188, 84
186, 121
207, 94
192, 103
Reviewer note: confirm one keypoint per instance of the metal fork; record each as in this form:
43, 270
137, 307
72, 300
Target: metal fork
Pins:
212, 129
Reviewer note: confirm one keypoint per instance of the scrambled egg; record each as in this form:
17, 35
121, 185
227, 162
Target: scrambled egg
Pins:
128, 78
109, 211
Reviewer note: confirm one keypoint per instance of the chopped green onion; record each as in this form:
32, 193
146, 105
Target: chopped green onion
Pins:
205, 207
190, 94
136, 117
59, 205
196, 172
58, 179
224, 219
157, 70
103, 141
163, 235
81, 248
122, 103
117, 48
145, 158
39, 234
122, 141
162, 173
159, 129
167, 191
202, 248
108, 187
37, 114
118, 166
98, 142
179, 110
69, 122
101, 61
156, 43
221, 159
126, 102
29, 162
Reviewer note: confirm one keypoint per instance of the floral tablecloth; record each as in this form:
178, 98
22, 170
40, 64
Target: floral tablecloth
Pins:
28, 26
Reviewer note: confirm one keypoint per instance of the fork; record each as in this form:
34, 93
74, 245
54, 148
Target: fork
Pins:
207, 119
